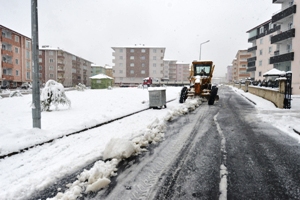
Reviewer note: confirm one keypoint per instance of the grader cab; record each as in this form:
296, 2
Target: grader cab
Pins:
201, 73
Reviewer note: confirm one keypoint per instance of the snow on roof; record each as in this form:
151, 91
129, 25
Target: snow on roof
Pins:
274, 72
101, 76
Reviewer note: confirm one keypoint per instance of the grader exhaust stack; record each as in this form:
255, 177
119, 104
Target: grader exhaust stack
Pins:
201, 73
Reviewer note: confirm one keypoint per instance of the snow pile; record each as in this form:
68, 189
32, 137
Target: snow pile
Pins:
15, 93
117, 149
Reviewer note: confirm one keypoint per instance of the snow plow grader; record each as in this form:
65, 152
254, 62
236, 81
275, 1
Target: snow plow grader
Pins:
201, 73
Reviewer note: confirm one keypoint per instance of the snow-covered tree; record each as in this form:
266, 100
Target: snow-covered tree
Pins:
53, 94
80, 87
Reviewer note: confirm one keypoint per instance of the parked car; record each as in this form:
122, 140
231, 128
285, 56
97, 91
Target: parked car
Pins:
4, 87
26, 86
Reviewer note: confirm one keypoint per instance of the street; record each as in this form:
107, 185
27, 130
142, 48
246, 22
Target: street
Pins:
257, 160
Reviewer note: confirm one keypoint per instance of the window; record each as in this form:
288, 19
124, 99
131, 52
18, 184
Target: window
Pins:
121, 50
17, 72
131, 50
40, 75
154, 71
17, 61
16, 50
154, 64
51, 60
143, 64
40, 60
121, 57
131, 57
27, 75
27, 43
270, 49
271, 26
40, 67
260, 52
51, 75
121, 71
120, 64
131, 64
131, 71
143, 50
154, 57
27, 64
259, 73
51, 68
40, 53
73, 57
143, 58
261, 41
290, 26
261, 30
288, 48
51, 53
154, 50
27, 54
260, 63
143, 72
16, 38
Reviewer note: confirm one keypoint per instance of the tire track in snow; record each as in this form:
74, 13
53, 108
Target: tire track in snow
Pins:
223, 168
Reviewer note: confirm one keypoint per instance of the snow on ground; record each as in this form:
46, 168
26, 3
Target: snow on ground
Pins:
23, 174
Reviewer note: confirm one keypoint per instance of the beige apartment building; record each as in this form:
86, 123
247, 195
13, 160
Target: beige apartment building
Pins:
239, 66
262, 49
15, 60
131, 64
183, 72
175, 71
275, 44
63, 67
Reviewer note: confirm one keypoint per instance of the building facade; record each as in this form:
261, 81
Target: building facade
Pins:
15, 60
97, 69
239, 66
63, 67
132, 64
287, 39
183, 72
262, 49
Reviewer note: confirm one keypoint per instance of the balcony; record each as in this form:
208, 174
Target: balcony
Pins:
7, 52
7, 64
252, 38
7, 77
251, 59
283, 14
251, 64
60, 69
252, 49
251, 69
60, 64
283, 36
61, 57
282, 58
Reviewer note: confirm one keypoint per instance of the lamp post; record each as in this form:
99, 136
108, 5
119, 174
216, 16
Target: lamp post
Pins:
200, 48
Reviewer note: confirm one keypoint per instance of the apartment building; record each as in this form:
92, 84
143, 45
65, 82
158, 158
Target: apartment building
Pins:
131, 64
262, 49
287, 54
183, 72
15, 60
63, 67
239, 65
170, 70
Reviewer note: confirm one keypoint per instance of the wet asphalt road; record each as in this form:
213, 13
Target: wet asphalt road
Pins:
262, 162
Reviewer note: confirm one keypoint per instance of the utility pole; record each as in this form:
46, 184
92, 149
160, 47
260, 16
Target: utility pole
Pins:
36, 104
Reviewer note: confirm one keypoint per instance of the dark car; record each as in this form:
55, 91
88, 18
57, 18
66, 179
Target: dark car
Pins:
4, 87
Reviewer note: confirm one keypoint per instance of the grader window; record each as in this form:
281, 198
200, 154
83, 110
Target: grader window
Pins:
202, 70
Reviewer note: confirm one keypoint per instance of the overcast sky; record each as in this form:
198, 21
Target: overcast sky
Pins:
89, 28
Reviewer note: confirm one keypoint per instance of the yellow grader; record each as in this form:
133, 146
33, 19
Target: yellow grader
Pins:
201, 73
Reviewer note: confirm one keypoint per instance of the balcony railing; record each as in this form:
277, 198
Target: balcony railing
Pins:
282, 58
283, 36
251, 69
251, 64
251, 59
283, 14
61, 57
252, 48
7, 77
7, 52
278, 1
7, 64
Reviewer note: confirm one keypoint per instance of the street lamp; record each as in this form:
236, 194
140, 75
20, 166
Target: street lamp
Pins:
200, 48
